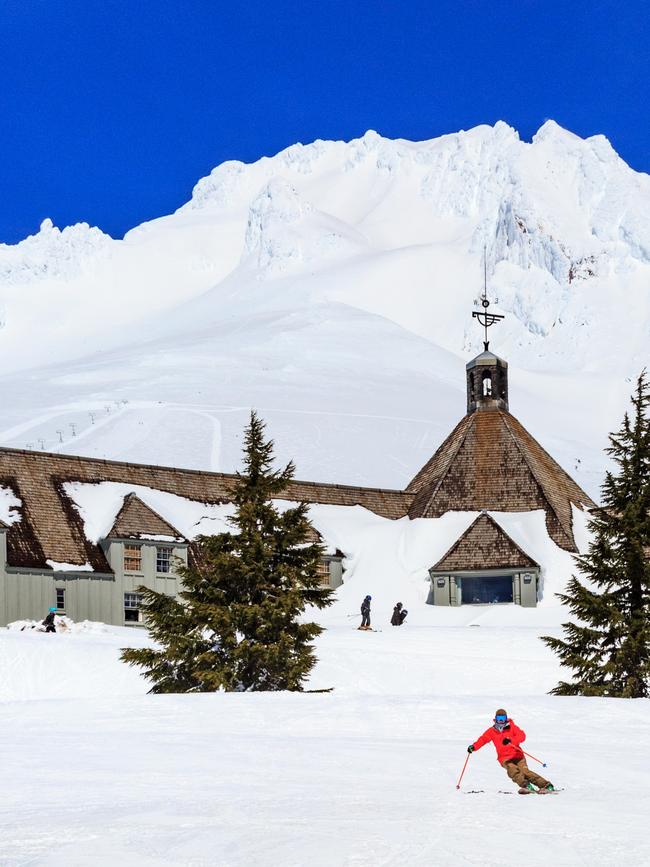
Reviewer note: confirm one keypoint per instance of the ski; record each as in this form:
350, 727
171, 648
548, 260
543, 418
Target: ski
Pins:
509, 792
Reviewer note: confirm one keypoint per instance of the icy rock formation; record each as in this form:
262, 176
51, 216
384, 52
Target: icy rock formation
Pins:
52, 253
269, 236
219, 187
284, 230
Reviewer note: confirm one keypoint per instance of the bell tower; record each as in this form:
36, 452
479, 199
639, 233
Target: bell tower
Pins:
487, 382
487, 374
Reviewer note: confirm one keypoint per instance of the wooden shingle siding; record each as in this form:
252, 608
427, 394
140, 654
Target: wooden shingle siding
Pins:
136, 518
23, 543
490, 462
484, 545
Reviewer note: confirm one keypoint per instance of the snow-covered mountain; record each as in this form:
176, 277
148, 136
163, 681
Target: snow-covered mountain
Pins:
331, 286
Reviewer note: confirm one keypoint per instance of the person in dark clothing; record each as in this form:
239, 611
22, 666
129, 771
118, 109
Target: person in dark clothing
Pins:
397, 614
48, 623
365, 613
402, 616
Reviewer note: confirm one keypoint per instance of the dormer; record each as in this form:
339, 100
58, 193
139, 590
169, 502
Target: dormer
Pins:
142, 543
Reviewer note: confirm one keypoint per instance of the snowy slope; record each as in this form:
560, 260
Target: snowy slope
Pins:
99, 773
331, 287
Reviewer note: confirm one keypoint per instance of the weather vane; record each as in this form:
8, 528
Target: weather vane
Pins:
485, 319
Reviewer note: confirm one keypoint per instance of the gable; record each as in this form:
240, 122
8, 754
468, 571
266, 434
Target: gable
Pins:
136, 520
484, 545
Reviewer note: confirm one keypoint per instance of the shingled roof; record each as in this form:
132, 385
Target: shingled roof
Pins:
484, 545
491, 462
136, 520
50, 527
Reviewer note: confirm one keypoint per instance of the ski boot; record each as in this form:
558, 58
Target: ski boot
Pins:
527, 789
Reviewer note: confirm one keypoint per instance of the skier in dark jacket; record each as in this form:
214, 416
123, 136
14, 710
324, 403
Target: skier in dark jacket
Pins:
365, 613
48, 623
506, 737
397, 614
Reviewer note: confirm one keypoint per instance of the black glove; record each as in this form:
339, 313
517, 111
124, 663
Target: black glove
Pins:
470, 748
506, 741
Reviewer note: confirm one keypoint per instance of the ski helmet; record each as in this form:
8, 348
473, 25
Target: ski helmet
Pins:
501, 712
53, 609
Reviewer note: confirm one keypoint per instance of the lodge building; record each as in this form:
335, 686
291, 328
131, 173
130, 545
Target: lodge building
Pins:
489, 463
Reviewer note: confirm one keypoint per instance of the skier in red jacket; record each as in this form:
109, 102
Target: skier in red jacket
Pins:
506, 737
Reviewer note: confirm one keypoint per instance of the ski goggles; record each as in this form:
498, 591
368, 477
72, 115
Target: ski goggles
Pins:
501, 718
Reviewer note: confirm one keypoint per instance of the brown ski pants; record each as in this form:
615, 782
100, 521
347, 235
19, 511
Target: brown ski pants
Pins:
520, 773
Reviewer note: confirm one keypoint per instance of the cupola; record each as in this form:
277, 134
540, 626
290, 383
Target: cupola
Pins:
487, 382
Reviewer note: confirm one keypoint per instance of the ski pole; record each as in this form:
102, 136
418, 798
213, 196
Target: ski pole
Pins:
463, 771
543, 764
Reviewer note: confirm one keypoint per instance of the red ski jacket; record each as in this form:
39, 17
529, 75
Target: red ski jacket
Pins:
507, 751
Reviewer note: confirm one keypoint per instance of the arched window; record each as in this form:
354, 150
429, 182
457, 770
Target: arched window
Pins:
487, 384
472, 393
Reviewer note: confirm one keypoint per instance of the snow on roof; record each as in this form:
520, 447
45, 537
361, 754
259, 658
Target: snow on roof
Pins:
49, 525
390, 559
9, 505
387, 557
69, 567
99, 504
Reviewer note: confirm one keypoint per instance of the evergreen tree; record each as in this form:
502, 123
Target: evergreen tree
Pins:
237, 624
609, 646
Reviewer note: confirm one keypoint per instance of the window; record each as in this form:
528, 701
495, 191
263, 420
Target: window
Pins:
485, 591
324, 572
132, 603
487, 384
164, 559
60, 599
133, 558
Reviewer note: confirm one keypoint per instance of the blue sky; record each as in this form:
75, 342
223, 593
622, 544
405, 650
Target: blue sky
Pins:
111, 111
